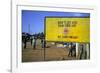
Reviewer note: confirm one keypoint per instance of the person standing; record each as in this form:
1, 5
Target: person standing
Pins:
25, 41
70, 49
42, 42
31, 40
83, 52
42, 39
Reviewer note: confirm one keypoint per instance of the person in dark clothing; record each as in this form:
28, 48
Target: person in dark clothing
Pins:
42, 43
31, 40
83, 53
72, 50
42, 39
25, 41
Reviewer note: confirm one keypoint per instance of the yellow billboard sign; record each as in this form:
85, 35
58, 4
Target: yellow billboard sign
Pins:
64, 29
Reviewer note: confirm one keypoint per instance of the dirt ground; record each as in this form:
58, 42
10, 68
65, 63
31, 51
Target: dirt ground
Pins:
50, 53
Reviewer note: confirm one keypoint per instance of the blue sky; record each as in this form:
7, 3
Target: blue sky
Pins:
35, 19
